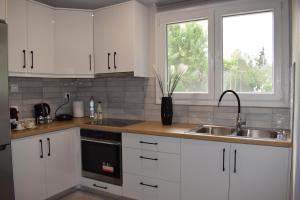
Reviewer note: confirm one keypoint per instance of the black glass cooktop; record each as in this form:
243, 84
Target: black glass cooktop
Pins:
114, 122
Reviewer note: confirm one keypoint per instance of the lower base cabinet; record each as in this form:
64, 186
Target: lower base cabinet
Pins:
218, 171
144, 188
101, 186
45, 165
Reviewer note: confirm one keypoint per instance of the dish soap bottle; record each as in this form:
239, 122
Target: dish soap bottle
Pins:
92, 108
99, 110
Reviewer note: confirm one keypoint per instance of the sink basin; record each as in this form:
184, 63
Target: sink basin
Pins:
230, 131
258, 133
213, 130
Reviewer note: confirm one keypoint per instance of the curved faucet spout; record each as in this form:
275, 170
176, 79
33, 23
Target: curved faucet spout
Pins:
237, 98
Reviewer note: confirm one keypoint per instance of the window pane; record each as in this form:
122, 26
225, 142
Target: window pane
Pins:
248, 53
188, 49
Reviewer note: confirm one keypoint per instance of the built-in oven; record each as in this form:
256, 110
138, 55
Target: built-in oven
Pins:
102, 156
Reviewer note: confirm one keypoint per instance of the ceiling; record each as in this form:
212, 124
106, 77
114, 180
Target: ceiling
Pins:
93, 4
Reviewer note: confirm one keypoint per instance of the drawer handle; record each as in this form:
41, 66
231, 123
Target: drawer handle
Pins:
153, 186
152, 143
147, 158
102, 187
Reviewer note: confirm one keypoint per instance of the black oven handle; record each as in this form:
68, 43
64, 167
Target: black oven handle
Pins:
99, 141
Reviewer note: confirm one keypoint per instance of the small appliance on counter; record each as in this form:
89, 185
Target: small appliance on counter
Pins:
63, 117
42, 113
13, 117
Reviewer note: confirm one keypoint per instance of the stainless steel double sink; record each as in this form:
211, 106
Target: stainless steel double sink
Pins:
230, 131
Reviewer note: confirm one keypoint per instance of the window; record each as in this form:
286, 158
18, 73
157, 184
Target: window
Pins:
188, 48
248, 53
243, 46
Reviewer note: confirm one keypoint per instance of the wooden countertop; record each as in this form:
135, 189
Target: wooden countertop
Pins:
177, 130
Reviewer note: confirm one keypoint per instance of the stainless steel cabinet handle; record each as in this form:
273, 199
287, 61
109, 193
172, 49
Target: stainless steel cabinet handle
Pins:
24, 58
223, 159
98, 186
42, 153
152, 143
49, 148
148, 185
234, 169
147, 158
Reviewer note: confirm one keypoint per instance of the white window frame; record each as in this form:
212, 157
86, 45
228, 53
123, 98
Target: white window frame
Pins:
214, 13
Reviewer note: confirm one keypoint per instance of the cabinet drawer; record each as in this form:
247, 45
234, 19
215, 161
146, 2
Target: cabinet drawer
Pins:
151, 164
143, 188
152, 143
101, 186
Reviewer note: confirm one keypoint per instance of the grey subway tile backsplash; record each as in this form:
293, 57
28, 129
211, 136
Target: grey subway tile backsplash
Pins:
131, 98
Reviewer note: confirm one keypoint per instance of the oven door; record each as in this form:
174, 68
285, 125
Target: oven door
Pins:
102, 160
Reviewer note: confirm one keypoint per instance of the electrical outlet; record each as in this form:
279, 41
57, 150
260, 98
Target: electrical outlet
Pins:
14, 88
67, 94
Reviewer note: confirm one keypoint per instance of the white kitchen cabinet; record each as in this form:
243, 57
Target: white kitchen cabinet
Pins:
152, 164
30, 38
40, 31
262, 172
3, 9
74, 43
29, 168
202, 172
250, 171
120, 39
61, 162
48, 162
102, 186
17, 36
145, 188
151, 143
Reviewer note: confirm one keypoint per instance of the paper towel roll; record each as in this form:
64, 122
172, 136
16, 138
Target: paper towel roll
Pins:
78, 109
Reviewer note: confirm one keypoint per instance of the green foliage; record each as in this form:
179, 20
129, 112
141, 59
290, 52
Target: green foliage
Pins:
188, 46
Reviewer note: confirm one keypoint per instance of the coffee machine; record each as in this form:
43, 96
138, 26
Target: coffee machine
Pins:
42, 112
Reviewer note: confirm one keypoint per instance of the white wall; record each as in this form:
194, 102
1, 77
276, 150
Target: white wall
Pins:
296, 126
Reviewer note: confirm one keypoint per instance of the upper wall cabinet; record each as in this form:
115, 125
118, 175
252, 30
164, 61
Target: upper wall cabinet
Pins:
121, 38
2, 9
74, 42
30, 38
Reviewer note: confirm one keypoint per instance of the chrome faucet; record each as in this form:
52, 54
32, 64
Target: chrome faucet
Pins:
239, 122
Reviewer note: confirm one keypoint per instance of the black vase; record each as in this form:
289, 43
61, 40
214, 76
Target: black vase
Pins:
166, 110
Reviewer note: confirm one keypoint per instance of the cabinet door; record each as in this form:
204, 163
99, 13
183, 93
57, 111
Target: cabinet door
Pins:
29, 168
3, 9
61, 163
259, 172
17, 36
74, 42
40, 38
145, 188
113, 33
202, 172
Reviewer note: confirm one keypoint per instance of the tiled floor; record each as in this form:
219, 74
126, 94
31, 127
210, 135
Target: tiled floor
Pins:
81, 195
